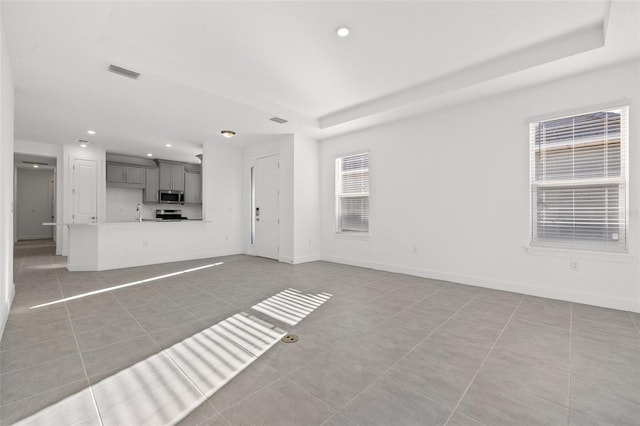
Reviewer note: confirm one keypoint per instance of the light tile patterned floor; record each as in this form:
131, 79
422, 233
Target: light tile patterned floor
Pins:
385, 349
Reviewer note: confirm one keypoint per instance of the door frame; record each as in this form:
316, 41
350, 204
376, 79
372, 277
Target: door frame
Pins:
249, 223
51, 199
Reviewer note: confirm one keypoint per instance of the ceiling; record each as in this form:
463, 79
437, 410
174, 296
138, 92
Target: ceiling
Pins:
208, 66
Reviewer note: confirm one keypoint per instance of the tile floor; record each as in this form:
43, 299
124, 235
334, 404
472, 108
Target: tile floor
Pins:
386, 349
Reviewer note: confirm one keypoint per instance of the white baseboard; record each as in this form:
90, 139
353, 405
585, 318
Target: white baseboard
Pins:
130, 263
298, 260
528, 289
306, 259
6, 307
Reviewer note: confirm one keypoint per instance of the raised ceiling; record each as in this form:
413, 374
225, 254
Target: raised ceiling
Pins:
208, 66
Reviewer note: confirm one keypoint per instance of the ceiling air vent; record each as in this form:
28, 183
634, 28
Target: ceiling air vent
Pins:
124, 72
278, 120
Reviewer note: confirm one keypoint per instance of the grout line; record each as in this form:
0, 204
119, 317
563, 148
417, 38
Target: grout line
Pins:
570, 355
38, 394
184, 373
485, 359
84, 367
356, 338
412, 349
255, 390
146, 333
334, 410
540, 324
218, 416
599, 321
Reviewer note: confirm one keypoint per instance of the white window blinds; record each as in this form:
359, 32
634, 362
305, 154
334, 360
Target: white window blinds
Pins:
352, 193
578, 176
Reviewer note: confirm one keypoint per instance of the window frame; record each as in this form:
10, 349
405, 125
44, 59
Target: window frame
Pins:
338, 231
570, 245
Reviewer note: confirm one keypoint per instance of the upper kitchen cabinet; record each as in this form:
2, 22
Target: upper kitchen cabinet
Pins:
192, 187
152, 186
171, 176
130, 177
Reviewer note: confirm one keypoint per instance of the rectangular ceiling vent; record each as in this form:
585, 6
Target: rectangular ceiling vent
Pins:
278, 120
124, 72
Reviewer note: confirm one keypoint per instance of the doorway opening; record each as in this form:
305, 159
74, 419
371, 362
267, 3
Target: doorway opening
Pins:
34, 197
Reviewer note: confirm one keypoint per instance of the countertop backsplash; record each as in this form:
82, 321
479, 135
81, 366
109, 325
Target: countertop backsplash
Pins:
122, 202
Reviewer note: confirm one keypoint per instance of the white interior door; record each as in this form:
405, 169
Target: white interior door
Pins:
84, 191
267, 207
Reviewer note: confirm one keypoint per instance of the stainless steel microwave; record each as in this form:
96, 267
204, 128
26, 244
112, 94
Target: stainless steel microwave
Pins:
170, 197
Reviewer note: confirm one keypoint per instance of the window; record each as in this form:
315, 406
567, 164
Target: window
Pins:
578, 176
352, 193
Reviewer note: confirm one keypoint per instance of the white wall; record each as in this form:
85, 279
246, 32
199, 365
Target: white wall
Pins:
121, 206
7, 289
222, 198
33, 203
49, 150
453, 185
306, 197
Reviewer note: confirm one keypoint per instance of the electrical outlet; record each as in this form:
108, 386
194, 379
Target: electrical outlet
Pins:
573, 265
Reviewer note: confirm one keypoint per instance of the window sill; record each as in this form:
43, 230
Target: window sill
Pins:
580, 254
352, 235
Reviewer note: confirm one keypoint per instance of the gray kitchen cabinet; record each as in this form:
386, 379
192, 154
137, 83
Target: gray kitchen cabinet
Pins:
152, 186
132, 177
171, 176
192, 187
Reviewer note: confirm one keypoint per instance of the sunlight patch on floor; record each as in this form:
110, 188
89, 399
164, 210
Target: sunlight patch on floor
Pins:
167, 386
291, 306
117, 287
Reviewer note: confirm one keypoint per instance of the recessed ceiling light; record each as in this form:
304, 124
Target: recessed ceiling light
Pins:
342, 31
91, 132
35, 166
84, 145
168, 145
149, 155
228, 133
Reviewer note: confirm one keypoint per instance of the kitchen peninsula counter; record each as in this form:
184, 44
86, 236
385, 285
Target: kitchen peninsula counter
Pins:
113, 245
